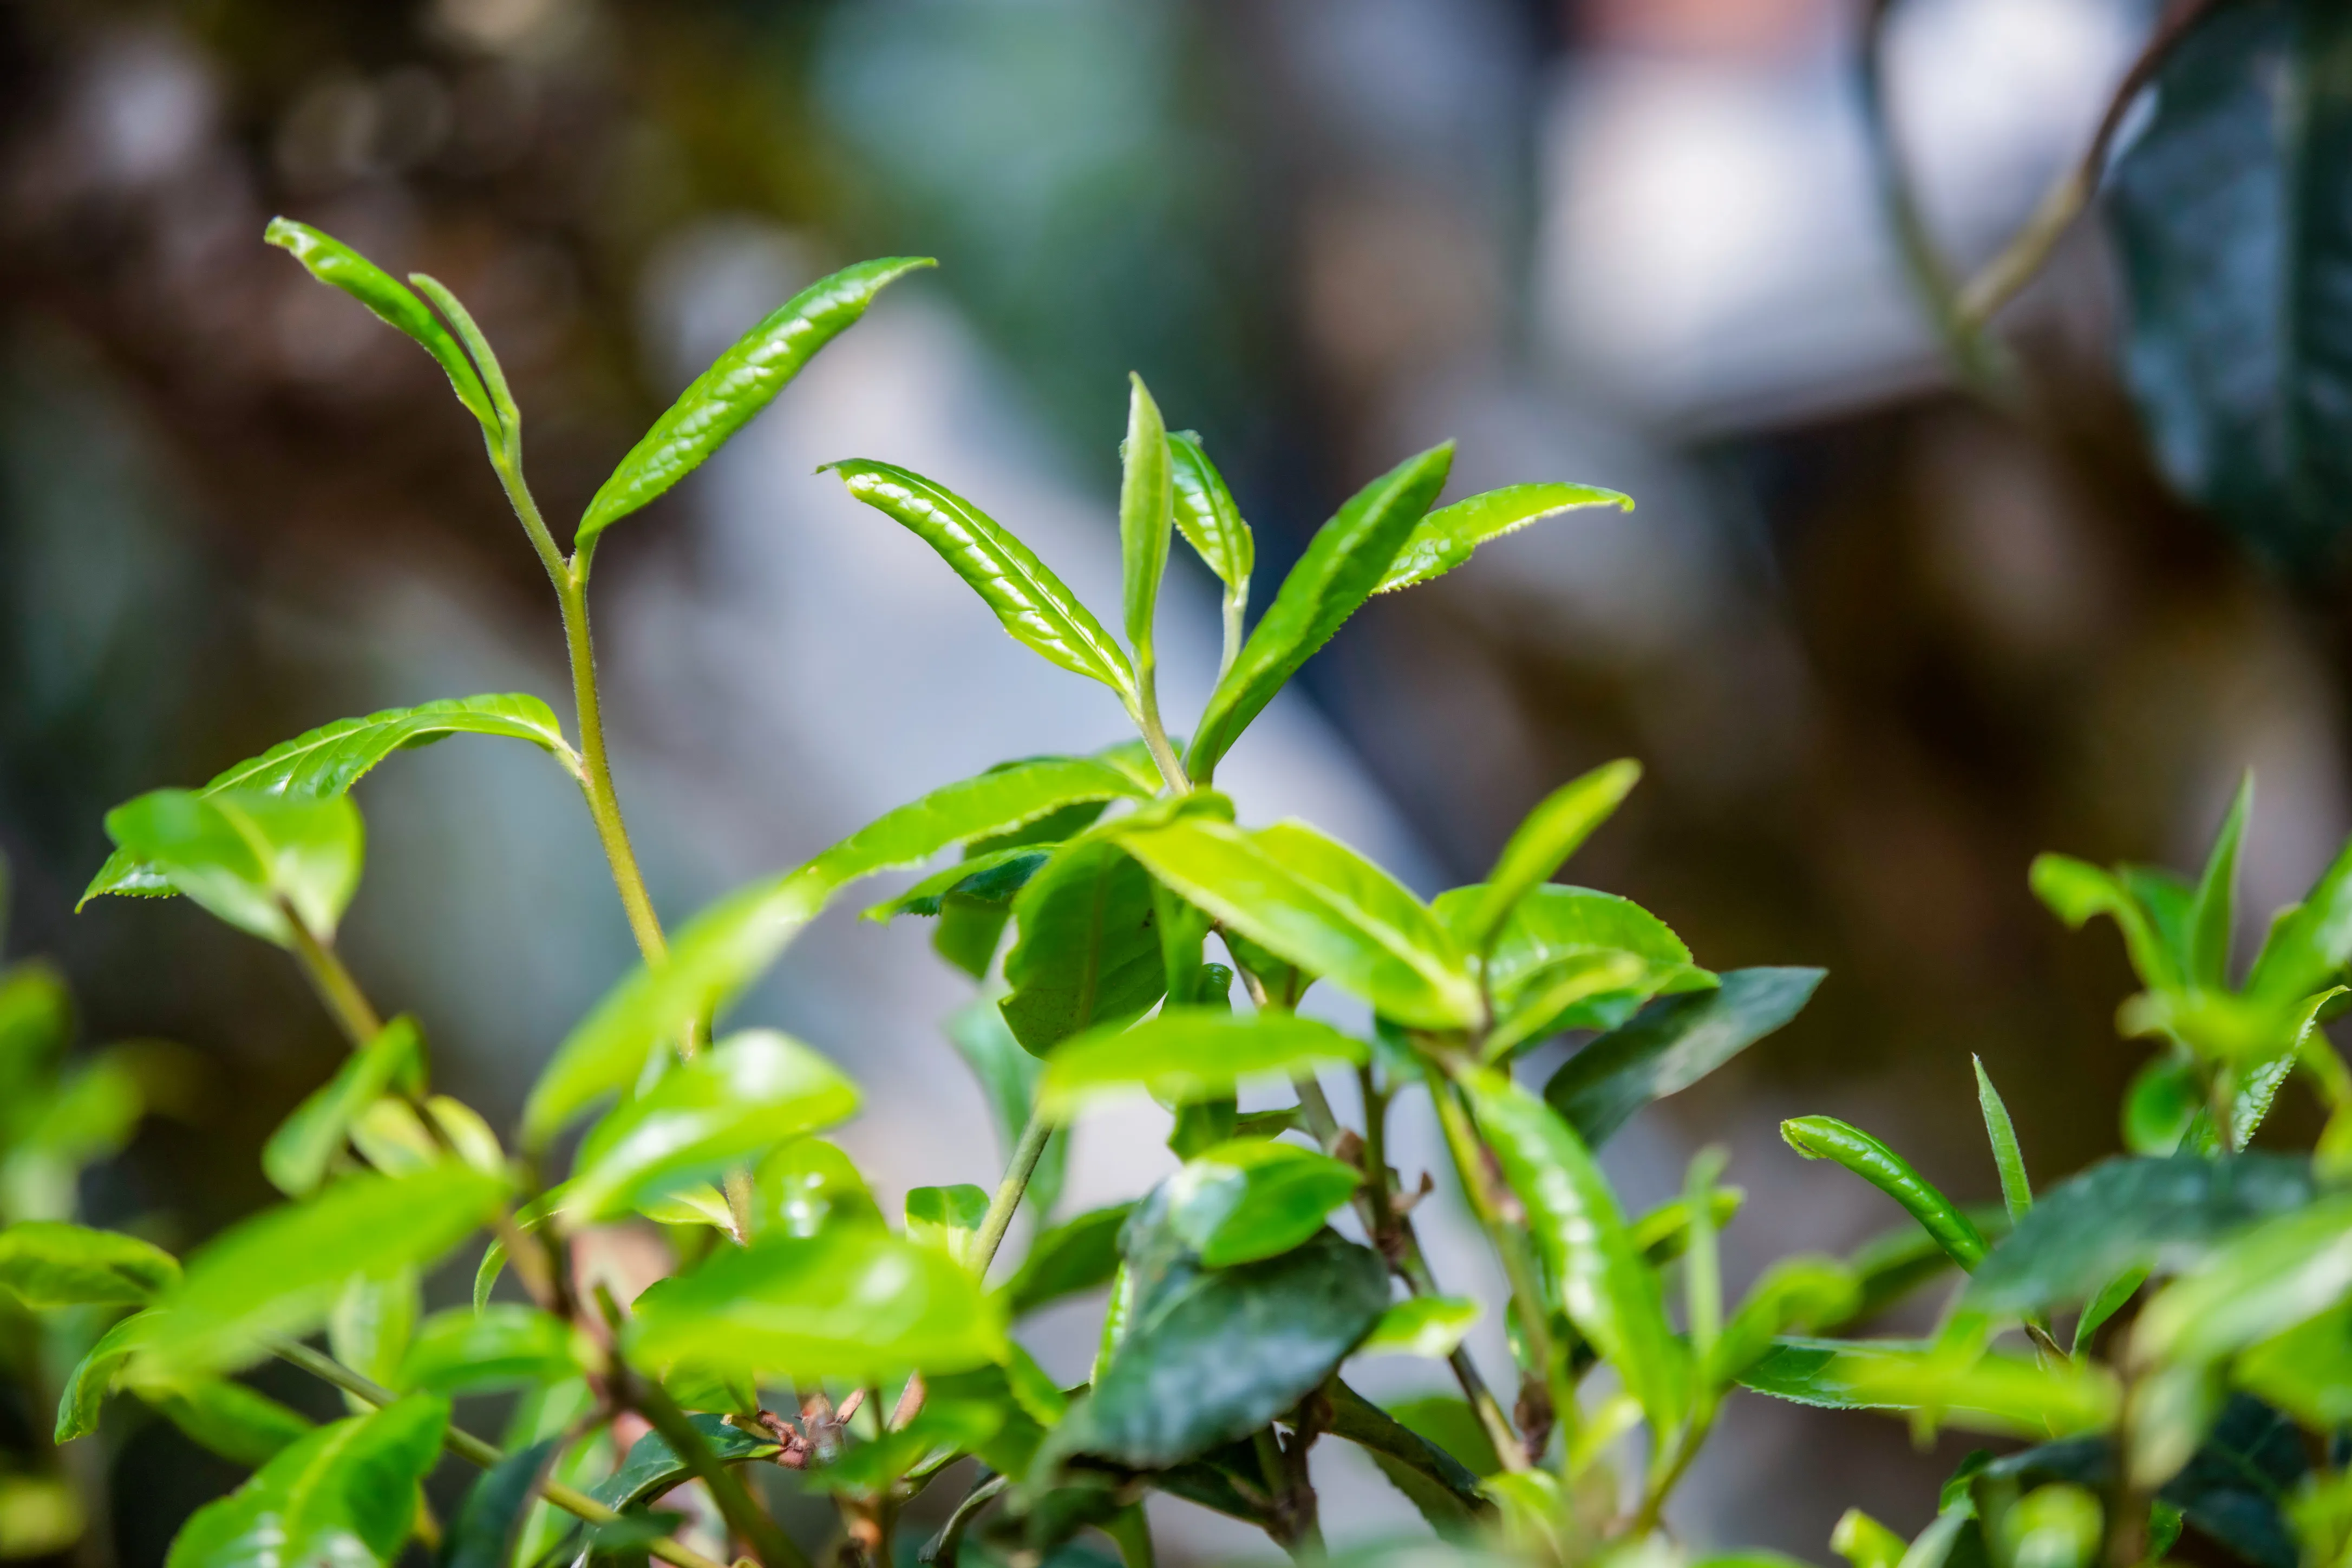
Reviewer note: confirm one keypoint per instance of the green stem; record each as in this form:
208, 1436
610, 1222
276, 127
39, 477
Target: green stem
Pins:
1236, 601
1145, 714
472, 1449
746, 1517
335, 983
1017, 1171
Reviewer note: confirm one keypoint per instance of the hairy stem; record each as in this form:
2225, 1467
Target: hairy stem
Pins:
473, 1450
1145, 714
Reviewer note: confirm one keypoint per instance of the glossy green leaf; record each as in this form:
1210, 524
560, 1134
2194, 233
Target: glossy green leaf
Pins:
249, 857
332, 262
2007, 1394
2213, 918
48, 1264
1437, 1484
490, 1523
1002, 801
239, 1423
1542, 843
1249, 1199
1570, 958
83, 1398
743, 1096
1207, 517
328, 761
652, 1466
279, 1271
1316, 903
948, 1219
1078, 1255
2075, 890
2009, 1160
1146, 515
1827, 1137
297, 1156
711, 958
1036, 606
1428, 1326
1187, 1054
345, 1494
2309, 943
1671, 1044
1446, 537
2228, 212
846, 1303
1215, 1354
2290, 1268
807, 1185
993, 878
1609, 1292
2124, 1214
739, 384
502, 1345
1342, 565
1088, 952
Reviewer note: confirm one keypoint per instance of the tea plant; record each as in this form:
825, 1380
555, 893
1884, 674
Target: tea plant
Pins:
801, 1332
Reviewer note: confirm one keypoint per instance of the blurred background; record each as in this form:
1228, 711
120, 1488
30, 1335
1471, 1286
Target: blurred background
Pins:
1877, 641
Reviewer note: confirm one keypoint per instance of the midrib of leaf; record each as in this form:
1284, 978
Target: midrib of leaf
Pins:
332, 736
1090, 979
1037, 605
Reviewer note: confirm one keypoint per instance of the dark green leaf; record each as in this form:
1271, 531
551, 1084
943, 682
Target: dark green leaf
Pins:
502, 1345
2123, 1214
2229, 212
490, 1523
278, 1272
1608, 1290
331, 261
1187, 1054
1081, 1254
1993, 1394
49, 1263
344, 1494
1146, 514
1250, 1199
1827, 1137
1034, 605
237, 1423
733, 1103
1542, 844
738, 383
2213, 919
1437, 1483
848, 1302
1215, 1354
1316, 903
1088, 952
652, 1466
1346, 559
991, 878
297, 1156
328, 761
248, 857
1671, 1044
1207, 517
1446, 538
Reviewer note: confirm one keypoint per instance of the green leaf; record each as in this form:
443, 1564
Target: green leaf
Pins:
1437, 1484
738, 383
50, 1264
93, 1377
328, 761
2228, 212
1448, 1422
1079, 1255
1314, 902
2309, 943
2075, 890
1827, 1137
502, 1345
1446, 538
2124, 1214
2305, 1371
490, 1523
332, 262
1671, 1044
1034, 605
1865, 1542
1145, 513
733, 1103
1609, 1292
1795, 1295
1088, 952
1543, 842
2161, 1103
1250, 1199
297, 1156
278, 1272
652, 1466
345, 1494
1207, 517
1570, 958
2009, 1160
2212, 918
1188, 1054
1429, 1326
2104, 1303
1215, 1354
991, 878
711, 958
948, 1219
2260, 1283
806, 1186
1002, 801
248, 857
368, 1327
846, 1303
237, 1423
2000, 1394
1008, 1076
1345, 560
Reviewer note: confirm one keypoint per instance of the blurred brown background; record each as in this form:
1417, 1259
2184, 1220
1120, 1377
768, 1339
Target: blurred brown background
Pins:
1876, 643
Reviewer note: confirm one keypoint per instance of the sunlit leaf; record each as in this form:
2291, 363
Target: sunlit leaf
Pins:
1146, 515
1446, 537
2075, 890
807, 1185
2212, 918
345, 1494
1827, 1137
1544, 841
1795, 1295
2000, 1394
2258, 1283
1207, 517
50, 1264
297, 1156
1430, 1326
948, 1219
369, 1326
249, 857
332, 262
1186, 1054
